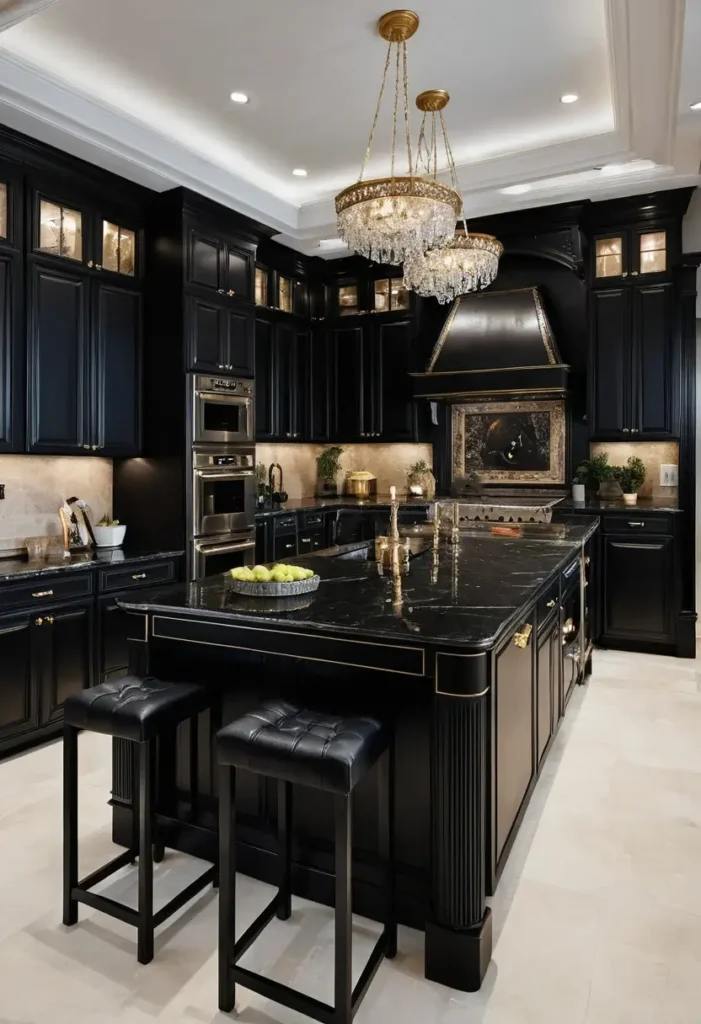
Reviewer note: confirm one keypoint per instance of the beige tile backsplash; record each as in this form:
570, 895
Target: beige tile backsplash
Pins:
653, 453
37, 485
389, 463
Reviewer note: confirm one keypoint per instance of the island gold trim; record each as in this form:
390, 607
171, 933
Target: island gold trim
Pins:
293, 633
138, 639
449, 693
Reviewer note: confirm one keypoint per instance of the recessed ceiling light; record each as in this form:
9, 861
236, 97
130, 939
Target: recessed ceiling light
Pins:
695, 106
569, 97
516, 190
239, 97
299, 172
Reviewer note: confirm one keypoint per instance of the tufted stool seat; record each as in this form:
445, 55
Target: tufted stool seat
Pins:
139, 709
322, 751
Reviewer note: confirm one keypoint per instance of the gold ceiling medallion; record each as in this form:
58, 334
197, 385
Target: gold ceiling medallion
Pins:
467, 262
391, 218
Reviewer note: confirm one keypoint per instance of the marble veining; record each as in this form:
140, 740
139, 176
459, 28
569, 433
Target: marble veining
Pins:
18, 569
467, 595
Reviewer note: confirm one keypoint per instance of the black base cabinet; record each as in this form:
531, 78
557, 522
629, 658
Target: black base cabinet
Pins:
639, 589
19, 699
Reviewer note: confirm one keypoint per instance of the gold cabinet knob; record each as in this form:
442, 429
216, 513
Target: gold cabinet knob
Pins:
523, 637
87, 447
90, 263
38, 622
49, 619
551, 604
231, 292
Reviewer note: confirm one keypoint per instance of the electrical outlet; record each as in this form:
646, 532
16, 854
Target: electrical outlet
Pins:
669, 476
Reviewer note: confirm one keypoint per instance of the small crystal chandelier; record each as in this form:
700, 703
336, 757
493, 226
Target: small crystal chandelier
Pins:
390, 219
468, 262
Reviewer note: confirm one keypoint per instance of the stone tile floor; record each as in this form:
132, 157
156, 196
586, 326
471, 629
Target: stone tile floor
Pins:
597, 917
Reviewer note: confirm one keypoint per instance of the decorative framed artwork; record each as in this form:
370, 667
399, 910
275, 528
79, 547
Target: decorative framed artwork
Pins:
510, 442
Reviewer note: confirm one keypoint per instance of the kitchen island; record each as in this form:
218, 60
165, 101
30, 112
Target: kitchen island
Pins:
472, 655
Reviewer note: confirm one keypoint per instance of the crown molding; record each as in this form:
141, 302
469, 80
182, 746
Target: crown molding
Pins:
12, 12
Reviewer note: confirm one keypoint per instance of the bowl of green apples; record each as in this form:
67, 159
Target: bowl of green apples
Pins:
279, 581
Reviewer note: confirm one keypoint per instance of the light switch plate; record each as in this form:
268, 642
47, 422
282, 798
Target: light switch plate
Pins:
669, 476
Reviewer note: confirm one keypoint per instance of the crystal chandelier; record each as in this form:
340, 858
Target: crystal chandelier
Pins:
468, 262
390, 219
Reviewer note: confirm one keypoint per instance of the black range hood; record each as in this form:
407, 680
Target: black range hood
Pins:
494, 343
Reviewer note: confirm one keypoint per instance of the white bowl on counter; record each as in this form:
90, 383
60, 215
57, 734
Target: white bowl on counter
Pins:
109, 536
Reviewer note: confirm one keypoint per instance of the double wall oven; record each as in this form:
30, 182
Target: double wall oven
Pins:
223, 484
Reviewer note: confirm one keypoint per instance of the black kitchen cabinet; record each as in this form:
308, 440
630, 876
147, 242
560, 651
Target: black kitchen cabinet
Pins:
638, 588
348, 344
19, 707
113, 632
11, 351
630, 254
631, 363
315, 373
84, 353
219, 337
287, 384
219, 265
266, 413
395, 417
547, 683
65, 657
291, 382
513, 736
58, 368
117, 334
284, 547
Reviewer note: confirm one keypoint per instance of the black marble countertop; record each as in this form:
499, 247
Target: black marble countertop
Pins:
466, 597
343, 501
12, 569
595, 505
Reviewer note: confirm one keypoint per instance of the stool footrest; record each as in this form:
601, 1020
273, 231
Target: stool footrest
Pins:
370, 970
183, 897
106, 870
254, 930
284, 995
106, 906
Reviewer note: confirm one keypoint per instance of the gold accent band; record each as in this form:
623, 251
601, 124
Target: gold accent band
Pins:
495, 369
388, 188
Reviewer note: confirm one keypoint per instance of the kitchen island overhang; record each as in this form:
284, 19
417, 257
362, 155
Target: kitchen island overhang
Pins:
453, 653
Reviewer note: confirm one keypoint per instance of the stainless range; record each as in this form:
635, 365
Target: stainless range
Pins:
223, 505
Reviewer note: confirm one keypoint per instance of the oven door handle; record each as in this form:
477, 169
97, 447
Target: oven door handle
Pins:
223, 396
213, 474
224, 549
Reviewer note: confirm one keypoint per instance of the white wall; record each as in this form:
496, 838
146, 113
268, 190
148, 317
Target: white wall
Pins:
691, 238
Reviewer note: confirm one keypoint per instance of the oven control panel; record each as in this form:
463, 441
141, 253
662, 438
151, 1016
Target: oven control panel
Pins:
224, 385
213, 457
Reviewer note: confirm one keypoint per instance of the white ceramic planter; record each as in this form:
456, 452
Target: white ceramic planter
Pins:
109, 536
579, 494
630, 499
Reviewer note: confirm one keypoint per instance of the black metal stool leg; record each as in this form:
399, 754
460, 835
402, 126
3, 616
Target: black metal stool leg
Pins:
133, 750
386, 844
284, 836
70, 823
159, 850
145, 926
343, 952
227, 886
194, 764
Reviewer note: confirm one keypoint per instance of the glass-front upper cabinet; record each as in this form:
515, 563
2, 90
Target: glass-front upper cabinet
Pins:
60, 230
4, 216
118, 249
284, 293
630, 254
390, 295
261, 286
348, 299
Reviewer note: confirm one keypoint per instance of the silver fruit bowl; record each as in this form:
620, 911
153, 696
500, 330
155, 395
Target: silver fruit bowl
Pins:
255, 589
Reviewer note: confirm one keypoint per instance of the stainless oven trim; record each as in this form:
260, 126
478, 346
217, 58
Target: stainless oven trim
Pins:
201, 435
227, 522
202, 548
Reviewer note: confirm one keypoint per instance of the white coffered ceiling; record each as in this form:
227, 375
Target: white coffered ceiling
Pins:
143, 86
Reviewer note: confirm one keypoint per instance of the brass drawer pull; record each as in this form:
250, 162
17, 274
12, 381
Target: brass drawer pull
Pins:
636, 524
38, 622
49, 619
523, 637
43, 593
551, 604
139, 576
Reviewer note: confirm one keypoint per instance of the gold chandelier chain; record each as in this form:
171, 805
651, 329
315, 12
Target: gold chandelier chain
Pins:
394, 114
434, 143
406, 108
377, 113
423, 153
453, 170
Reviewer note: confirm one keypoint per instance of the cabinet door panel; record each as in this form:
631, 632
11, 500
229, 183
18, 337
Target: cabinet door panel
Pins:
284, 547
117, 326
609, 367
286, 381
66, 659
514, 736
11, 390
205, 332
317, 380
18, 710
347, 347
203, 260
266, 413
58, 331
545, 692
113, 650
239, 342
652, 362
395, 418
638, 588
239, 269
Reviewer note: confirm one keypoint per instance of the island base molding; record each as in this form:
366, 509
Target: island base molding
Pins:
459, 958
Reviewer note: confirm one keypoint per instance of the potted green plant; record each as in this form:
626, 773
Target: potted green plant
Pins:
328, 466
420, 480
631, 477
597, 475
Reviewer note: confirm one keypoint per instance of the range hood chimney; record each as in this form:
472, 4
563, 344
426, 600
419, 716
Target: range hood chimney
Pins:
494, 343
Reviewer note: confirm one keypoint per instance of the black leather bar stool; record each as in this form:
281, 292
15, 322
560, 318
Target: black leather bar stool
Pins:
324, 752
138, 709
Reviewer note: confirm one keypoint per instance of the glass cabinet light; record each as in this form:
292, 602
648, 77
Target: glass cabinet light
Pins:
399, 294
382, 302
60, 230
261, 286
285, 294
118, 249
609, 257
653, 252
3, 210
348, 299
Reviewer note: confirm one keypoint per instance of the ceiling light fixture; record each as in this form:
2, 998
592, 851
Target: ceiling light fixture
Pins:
299, 172
695, 106
390, 219
239, 97
515, 190
569, 97
468, 262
